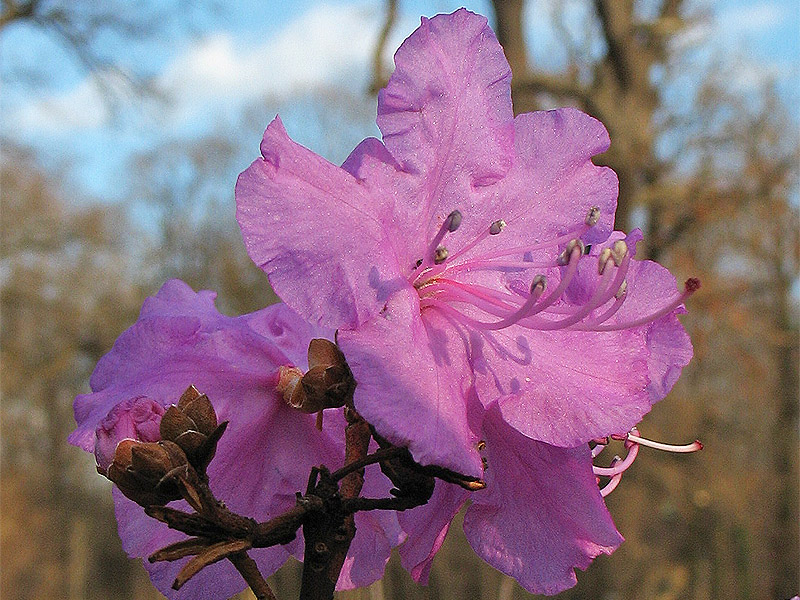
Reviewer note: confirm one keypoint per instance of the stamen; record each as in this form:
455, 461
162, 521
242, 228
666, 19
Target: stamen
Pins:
619, 250
497, 227
632, 441
603, 259
604, 291
453, 220
494, 229
611, 485
598, 449
695, 446
564, 257
691, 286
450, 224
592, 216
618, 466
440, 255
574, 233
619, 298
537, 287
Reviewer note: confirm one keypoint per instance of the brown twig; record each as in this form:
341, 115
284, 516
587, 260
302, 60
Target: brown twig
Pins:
379, 76
328, 534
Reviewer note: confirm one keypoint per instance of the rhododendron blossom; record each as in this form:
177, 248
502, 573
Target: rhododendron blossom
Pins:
493, 333
468, 250
266, 454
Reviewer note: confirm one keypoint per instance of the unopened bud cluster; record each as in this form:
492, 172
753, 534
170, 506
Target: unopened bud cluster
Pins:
189, 434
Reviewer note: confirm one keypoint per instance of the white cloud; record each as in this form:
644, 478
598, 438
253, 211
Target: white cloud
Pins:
752, 19
82, 107
329, 44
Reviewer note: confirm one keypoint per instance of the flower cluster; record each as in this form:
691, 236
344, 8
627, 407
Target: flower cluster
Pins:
493, 321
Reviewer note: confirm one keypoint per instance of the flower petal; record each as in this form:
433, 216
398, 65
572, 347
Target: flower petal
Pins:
541, 514
412, 379
564, 387
316, 232
181, 339
554, 183
446, 112
427, 527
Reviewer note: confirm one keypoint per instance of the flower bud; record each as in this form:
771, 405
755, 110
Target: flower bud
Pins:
328, 382
139, 470
192, 425
134, 419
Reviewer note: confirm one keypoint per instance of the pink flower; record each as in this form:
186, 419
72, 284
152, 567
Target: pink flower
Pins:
452, 256
136, 418
268, 449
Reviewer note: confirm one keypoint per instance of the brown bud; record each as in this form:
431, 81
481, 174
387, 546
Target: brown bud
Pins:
192, 425
139, 470
175, 422
201, 411
329, 382
324, 352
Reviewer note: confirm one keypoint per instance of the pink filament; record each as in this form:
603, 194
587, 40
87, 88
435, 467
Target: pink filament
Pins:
439, 287
619, 467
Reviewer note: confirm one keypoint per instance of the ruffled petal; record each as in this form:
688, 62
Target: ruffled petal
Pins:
541, 514
649, 287
448, 101
446, 112
554, 183
427, 527
316, 232
181, 339
412, 380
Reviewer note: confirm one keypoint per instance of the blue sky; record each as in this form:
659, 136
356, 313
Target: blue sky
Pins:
271, 54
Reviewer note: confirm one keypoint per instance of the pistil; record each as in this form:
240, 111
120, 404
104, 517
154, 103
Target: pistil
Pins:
632, 442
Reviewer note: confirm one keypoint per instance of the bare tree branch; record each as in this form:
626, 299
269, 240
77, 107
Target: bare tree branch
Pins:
379, 74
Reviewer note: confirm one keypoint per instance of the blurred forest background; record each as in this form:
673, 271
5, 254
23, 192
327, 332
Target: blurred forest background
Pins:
708, 170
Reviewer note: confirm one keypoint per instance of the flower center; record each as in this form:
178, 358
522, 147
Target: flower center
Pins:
452, 283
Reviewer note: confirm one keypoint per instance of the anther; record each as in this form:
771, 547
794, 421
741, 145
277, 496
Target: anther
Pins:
564, 257
453, 221
539, 281
619, 250
592, 216
440, 255
622, 289
497, 227
602, 260
481, 446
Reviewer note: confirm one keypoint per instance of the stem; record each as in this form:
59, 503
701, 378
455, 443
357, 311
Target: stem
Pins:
377, 456
248, 569
328, 534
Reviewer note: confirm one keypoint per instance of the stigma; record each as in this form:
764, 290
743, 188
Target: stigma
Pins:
452, 279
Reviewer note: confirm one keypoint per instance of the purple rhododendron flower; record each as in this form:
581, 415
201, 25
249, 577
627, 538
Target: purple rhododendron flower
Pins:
268, 449
136, 418
453, 257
